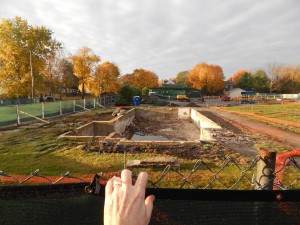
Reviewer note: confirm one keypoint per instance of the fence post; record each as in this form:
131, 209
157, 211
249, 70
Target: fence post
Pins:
18, 115
74, 105
125, 159
94, 103
43, 110
84, 104
60, 108
265, 170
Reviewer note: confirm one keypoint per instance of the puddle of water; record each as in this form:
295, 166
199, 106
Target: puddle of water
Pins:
138, 137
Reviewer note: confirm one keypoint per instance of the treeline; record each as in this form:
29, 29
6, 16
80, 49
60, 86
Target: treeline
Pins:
209, 78
33, 64
280, 79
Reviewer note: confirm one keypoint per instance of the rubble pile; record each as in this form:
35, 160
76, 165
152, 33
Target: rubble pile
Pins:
225, 135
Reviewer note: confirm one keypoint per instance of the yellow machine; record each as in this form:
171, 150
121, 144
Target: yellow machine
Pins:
182, 98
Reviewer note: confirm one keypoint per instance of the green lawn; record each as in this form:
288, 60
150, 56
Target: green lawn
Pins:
24, 151
8, 114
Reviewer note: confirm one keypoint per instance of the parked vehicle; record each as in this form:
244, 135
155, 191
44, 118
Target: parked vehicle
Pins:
225, 98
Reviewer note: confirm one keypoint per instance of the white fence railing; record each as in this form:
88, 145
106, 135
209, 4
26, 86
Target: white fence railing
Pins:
17, 114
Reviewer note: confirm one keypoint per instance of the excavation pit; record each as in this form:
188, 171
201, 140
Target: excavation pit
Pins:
153, 128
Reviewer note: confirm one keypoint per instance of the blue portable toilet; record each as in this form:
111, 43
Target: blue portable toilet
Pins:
136, 100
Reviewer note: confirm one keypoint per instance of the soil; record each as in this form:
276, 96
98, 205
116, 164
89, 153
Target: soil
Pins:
192, 104
238, 136
174, 130
253, 127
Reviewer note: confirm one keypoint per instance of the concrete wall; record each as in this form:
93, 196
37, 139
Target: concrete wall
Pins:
157, 114
103, 128
205, 125
123, 121
184, 113
119, 124
85, 130
202, 121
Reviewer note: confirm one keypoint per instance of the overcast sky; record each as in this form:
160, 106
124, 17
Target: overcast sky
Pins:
169, 36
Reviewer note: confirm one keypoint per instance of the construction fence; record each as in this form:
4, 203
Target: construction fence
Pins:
20, 113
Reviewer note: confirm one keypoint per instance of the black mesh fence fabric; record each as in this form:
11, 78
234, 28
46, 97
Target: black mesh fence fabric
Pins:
69, 204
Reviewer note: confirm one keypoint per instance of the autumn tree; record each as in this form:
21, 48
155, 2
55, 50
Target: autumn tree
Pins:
105, 78
51, 79
292, 76
181, 77
280, 80
124, 79
141, 78
207, 77
84, 62
24, 51
66, 75
237, 76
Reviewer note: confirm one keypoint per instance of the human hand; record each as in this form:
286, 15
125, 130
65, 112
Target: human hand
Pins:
125, 203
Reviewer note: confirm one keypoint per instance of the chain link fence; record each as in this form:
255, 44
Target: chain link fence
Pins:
260, 174
20, 113
38, 178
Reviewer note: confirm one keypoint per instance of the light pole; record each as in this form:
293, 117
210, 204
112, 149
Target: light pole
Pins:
32, 78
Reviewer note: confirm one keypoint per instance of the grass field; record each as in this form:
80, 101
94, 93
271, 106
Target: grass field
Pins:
8, 114
290, 113
24, 151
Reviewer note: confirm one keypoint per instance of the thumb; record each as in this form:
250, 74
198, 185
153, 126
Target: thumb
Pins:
149, 205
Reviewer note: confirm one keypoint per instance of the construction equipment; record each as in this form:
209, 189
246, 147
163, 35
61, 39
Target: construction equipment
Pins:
182, 98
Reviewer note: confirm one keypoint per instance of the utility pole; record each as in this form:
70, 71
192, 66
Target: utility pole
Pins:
32, 78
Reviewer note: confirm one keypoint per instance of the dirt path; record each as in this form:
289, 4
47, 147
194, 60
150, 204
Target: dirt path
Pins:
255, 127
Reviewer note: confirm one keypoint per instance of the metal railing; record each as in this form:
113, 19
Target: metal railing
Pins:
17, 114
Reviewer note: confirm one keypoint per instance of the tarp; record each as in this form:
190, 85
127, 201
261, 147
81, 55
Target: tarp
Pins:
68, 204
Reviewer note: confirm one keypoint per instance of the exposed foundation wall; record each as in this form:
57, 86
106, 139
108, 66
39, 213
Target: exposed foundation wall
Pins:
157, 114
123, 121
205, 125
202, 121
184, 113
103, 128
86, 130
119, 124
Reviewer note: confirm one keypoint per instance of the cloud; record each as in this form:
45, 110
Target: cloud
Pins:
172, 35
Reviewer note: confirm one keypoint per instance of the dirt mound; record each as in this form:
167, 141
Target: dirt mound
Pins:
192, 104
155, 100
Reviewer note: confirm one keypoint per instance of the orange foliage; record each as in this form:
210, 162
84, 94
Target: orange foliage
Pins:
124, 79
237, 76
141, 78
207, 77
105, 78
